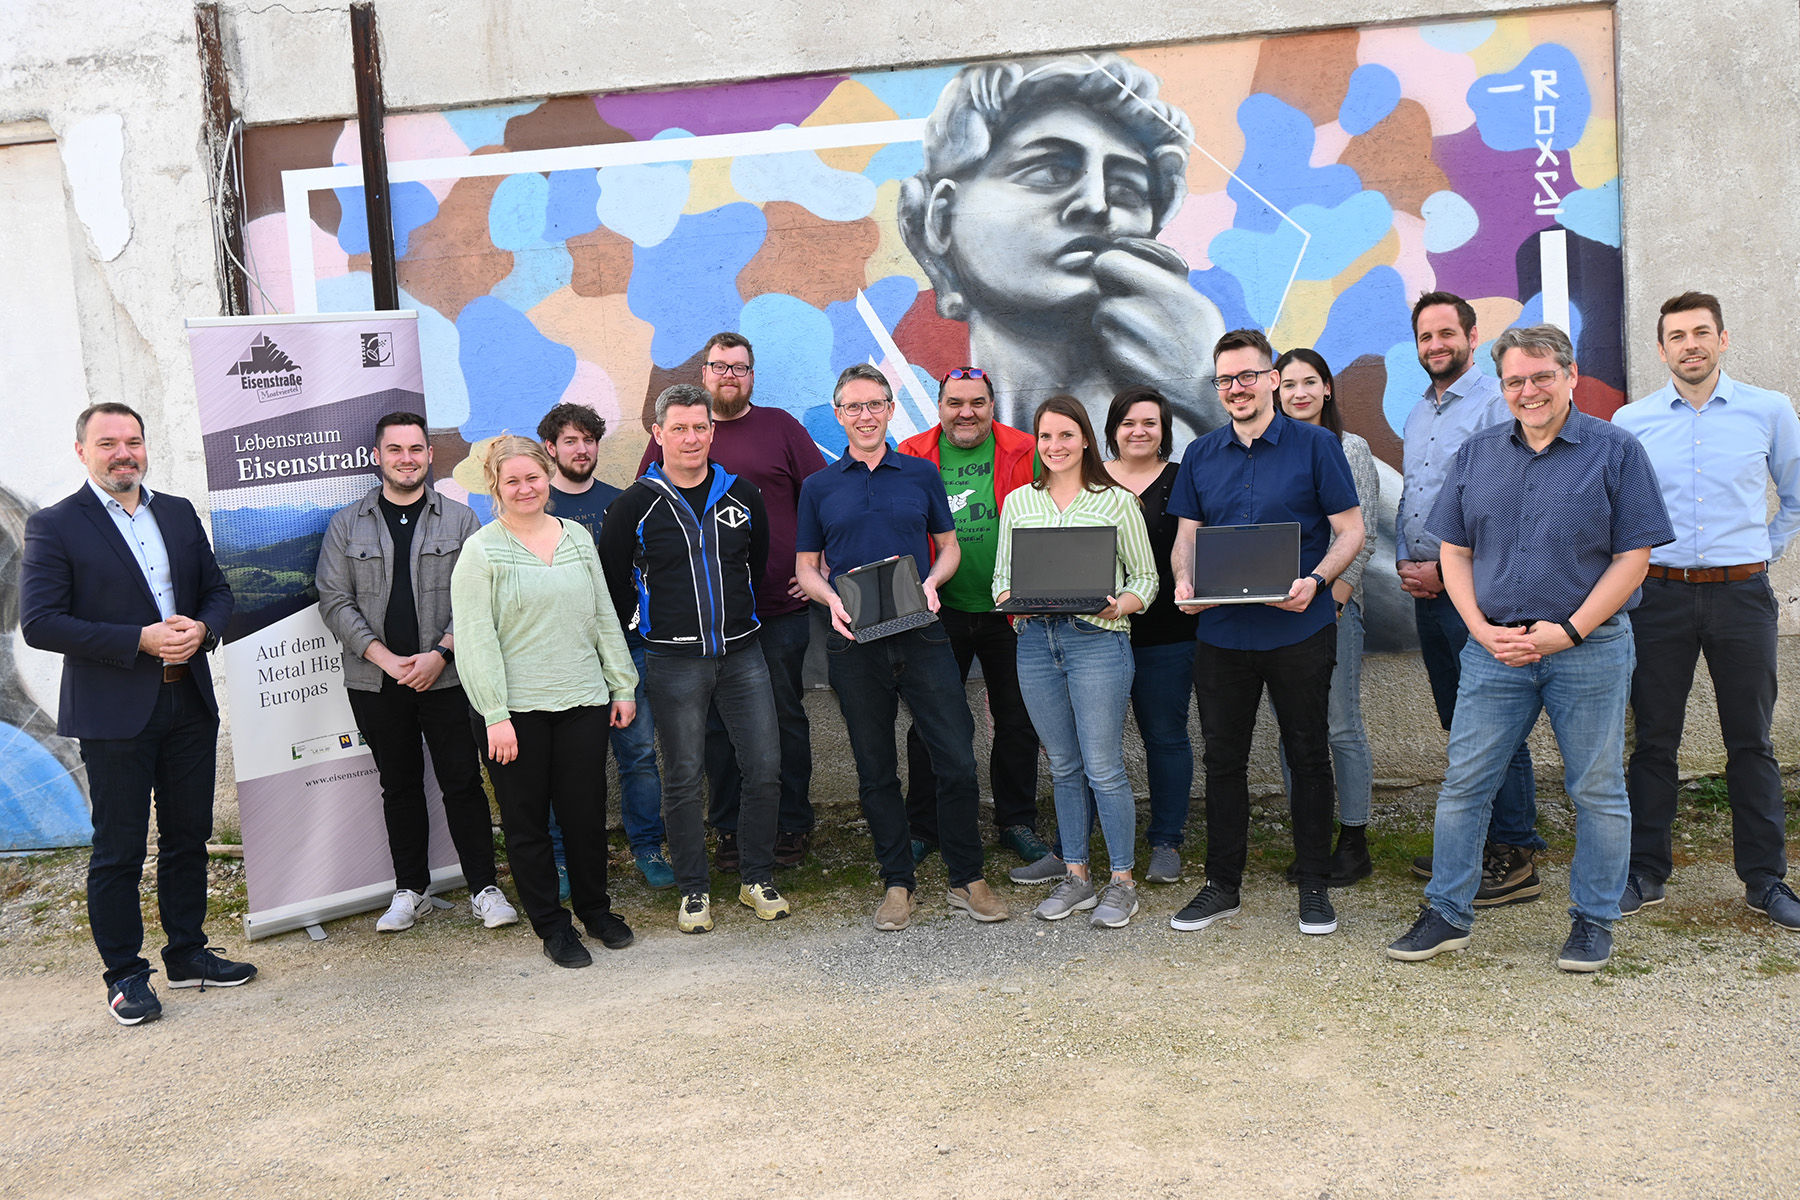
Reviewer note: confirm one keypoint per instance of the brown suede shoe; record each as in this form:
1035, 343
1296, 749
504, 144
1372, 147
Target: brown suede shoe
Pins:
979, 901
896, 909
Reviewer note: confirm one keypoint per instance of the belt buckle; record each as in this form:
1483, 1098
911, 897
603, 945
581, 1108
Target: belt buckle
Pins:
1688, 572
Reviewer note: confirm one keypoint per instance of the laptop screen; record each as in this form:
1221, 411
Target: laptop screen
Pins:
1065, 562
1233, 561
881, 591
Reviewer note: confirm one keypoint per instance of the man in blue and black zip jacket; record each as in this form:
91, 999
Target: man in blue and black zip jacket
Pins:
683, 548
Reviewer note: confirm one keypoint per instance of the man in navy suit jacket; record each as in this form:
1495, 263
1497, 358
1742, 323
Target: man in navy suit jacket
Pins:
123, 584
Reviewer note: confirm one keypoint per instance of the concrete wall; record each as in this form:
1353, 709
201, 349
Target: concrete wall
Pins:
1708, 122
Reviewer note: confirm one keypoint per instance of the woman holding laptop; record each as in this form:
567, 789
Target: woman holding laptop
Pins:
1075, 669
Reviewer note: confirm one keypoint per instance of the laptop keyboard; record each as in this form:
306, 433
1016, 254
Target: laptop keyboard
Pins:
1074, 604
881, 629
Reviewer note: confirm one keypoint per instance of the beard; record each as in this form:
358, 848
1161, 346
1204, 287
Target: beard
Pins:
575, 474
729, 409
1459, 365
119, 487
402, 486
965, 438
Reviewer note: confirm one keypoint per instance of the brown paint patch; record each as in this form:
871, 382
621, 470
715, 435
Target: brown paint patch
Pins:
806, 256
448, 450
565, 121
271, 149
364, 263
1359, 391
660, 378
1394, 158
602, 263
1310, 71
1597, 398
450, 259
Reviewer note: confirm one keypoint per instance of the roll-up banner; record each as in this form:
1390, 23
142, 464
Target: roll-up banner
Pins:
288, 406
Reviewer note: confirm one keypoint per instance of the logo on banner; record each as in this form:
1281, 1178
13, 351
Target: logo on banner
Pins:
267, 370
378, 349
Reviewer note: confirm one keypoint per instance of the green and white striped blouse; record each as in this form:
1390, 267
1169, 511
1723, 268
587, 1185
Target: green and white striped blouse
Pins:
1032, 508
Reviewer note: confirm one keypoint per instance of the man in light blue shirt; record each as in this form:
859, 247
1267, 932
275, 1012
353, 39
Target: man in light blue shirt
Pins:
1716, 445
1461, 401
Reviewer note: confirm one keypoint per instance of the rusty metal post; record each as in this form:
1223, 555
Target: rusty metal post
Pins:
365, 45
216, 122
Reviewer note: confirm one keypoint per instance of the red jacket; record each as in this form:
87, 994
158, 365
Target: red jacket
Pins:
1013, 450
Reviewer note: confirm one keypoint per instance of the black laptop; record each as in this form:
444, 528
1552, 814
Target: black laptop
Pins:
1067, 571
884, 598
1245, 564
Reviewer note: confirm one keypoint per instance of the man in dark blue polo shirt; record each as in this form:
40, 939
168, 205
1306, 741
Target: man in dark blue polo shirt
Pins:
1547, 525
876, 503
1264, 468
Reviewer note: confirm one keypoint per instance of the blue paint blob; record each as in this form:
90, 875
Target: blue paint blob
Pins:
1406, 382
1594, 213
1369, 316
446, 395
536, 274
514, 373
41, 805
911, 94
686, 285
1223, 289
1547, 102
801, 177
570, 209
412, 205
478, 127
1372, 94
1278, 145
822, 424
643, 201
516, 213
900, 160
354, 292
1458, 37
1450, 221
851, 341
1264, 262
793, 351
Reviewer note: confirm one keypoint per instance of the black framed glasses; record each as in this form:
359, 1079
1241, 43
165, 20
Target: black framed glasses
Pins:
724, 368
1245, 379
856, 408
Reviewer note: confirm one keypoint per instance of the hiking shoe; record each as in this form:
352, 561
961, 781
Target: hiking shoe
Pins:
896, 909
1165, 865
725, 854
611, 930
1588, 949
979, 901
562, 883
1778, 904
921, 849
1023, 841
132, 1001
695, 913
1211, 903
769, 904
1118, 904
1350, 861
1071, 895
564, 948
491, 906
203, 969
1429, 937
1316, 914
1421, 866
1640, 893
658, 875
1047, 869
790, 848
404, 912
1507, 877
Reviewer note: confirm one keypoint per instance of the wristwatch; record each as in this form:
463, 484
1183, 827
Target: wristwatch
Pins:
446, 651
1318, 579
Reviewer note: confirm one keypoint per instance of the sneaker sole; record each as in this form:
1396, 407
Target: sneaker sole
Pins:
695, 928
1524, 895
1034, 881
1319, 930
1443, 947
986, 918
1083, 906
383, 926
1642, 905
1581, 968
1099, 923
656, 887
1189, 926
149, 1016
500, 922
1765, 912
780, 915
893, 926
207, 983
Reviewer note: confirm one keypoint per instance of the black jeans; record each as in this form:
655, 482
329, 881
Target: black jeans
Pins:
871, 679
1013, 764
170, 762
392, 721
683, 691
1733, 624
784, 640
1228, 686
557, 752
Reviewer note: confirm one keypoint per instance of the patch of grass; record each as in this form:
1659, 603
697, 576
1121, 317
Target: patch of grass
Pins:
1771, 965
1709, 792
1628, 967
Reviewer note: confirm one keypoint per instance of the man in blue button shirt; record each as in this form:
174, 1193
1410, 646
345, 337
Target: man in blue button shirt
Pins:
876, 503
1265, 468
1716, 445
1461, 400
1547, 525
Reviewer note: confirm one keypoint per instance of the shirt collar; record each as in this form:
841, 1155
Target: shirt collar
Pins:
1726, 391
1271, 435
1455, 391
109, 502
847, 461
1570, 432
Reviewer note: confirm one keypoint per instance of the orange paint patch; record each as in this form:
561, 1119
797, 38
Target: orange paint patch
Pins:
850, 103
817, 260
1395, 158
450, 260
1310, 71
602, 262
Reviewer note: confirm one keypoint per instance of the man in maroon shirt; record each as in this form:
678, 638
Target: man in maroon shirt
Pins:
773, 451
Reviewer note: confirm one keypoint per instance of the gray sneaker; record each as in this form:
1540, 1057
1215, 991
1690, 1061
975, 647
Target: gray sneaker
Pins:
1165, 865
1118, 904
1071, 895
1047, 869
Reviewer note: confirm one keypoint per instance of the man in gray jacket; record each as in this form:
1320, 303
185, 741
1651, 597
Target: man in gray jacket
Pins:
384, 590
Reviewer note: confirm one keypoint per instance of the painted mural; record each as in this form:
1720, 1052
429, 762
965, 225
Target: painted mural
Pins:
1082, 222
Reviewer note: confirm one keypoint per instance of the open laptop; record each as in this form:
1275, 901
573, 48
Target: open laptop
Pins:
1244, 564
884, 598
1068, 571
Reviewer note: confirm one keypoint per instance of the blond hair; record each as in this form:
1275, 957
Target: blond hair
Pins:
502, 450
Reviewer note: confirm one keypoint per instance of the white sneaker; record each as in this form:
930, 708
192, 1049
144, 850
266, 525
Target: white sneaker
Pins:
404, 912
491, 906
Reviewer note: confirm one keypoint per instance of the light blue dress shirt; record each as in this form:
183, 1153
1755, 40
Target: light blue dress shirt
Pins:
1435, 431
144, 537
1715, 465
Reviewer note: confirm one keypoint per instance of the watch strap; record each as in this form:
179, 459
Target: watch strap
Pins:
1568, 627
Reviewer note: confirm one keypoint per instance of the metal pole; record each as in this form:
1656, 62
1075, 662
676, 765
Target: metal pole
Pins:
216, 120
365, 44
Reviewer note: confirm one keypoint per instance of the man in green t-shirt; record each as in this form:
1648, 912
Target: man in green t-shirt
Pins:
980, 462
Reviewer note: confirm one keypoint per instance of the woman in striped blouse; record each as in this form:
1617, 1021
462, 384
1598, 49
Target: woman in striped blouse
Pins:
1075, 671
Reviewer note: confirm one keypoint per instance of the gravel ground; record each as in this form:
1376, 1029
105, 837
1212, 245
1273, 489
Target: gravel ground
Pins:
816, 1057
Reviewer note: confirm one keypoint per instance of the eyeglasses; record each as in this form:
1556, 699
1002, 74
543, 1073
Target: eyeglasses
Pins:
857, 407
964, 373
724, 368
1243, 378
1541, 381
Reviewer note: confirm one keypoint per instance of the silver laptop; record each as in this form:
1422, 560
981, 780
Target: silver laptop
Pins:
1245, 564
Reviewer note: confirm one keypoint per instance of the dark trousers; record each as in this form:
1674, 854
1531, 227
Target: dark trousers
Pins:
736, 687
1733, 624
557, 751
392, 721
1013, 763
1442, 635
870, 680
171, 765
784, 641
1228, 687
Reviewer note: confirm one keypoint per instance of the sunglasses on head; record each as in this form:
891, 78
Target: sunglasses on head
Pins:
964, 373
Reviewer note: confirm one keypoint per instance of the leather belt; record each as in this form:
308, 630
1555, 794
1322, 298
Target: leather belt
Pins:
174, 672
1708, 574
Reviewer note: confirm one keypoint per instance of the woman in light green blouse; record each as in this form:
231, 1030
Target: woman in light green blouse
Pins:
1075, 671
547, 672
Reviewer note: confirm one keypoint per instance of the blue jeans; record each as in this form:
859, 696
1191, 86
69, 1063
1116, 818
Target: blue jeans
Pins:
1442, 636
640, 787
1584, 690
1352, 765
1075, 678
784, 640
1161, 690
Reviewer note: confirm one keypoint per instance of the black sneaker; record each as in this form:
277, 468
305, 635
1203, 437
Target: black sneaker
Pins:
564, 948
203, 969
1023, 841
132, 1001
790, 848
1350, 861
1211, 903
921, 850
611, 930
725, 855
1508, 876
1640, 893
1421, 866
1778, 903
1316, 914
1588, 949
1429, 937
